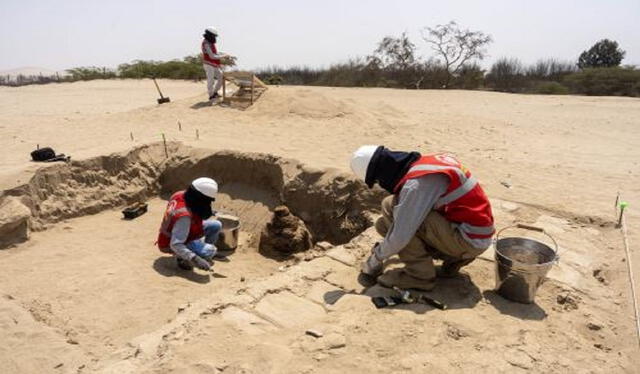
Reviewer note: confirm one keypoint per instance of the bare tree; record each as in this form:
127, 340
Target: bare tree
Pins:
397, 53
456, 46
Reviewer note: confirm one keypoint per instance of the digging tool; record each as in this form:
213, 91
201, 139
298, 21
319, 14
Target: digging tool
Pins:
162, 99
406, 297
409, 298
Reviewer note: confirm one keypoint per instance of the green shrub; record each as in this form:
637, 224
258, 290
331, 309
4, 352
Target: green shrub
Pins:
550, 88
614, 81
507, 75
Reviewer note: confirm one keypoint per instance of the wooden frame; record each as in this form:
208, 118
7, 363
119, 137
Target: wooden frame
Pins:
245, 81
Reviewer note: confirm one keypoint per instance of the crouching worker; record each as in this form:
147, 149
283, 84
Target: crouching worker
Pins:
186, 229
436, 210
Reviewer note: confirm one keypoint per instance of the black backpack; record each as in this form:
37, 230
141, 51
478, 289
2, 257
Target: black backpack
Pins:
43, 154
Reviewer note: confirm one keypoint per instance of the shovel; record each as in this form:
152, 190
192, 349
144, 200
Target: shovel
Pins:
162, 99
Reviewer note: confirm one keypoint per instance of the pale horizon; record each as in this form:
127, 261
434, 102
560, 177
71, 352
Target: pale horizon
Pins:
289, 33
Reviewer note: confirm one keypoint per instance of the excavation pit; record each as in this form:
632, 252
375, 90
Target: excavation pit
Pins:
104, 282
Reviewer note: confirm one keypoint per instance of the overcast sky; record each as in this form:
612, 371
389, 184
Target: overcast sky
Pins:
70, 33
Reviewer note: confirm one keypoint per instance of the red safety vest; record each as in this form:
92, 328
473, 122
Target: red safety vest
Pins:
205, 57
464, 202
177, 208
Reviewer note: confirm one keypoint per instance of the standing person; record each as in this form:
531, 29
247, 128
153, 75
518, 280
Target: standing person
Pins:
187, 230
436, 210
211, 62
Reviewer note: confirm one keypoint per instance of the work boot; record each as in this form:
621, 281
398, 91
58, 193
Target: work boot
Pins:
214, 96
451, 268
399, 278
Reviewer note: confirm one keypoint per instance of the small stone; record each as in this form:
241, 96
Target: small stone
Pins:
58, 366
325, 246
593, 326
335, 341
181, 308
314, 333
242, 279
506, 184
72, 341
568, 301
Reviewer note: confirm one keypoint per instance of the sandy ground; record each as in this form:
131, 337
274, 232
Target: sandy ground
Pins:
91, 294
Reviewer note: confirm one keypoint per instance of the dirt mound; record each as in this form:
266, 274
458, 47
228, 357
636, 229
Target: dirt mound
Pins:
284, 235
303, 103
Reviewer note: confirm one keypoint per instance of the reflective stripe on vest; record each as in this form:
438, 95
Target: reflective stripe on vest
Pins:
169, 218
454, 195
467, 183
462, 185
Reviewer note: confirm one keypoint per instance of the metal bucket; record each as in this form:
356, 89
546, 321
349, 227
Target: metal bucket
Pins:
228, 239
522, 265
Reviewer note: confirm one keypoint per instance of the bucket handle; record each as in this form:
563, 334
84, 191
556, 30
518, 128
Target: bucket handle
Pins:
532, 228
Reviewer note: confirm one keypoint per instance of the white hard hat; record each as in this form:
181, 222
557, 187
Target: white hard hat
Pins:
211, 30
206, 186
360, 160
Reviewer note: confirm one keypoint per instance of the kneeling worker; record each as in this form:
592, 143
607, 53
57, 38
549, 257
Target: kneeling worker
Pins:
436, 210
186, 229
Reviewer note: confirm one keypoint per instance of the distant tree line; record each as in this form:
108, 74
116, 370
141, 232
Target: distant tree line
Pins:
394, 63
189, 67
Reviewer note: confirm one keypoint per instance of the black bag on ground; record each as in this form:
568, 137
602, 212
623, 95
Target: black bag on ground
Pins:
43, 154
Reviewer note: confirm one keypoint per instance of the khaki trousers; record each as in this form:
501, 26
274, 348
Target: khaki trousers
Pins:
435, 238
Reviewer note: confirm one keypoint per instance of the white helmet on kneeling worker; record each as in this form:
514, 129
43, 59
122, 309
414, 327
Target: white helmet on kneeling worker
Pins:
377, 164
199, 196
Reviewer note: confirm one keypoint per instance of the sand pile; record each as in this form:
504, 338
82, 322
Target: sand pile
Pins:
286, 234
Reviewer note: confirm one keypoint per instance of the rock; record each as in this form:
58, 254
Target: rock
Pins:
314, 333
335, 341
506, 184
325, 246
599, 275
568, 300
594, 326
14, 222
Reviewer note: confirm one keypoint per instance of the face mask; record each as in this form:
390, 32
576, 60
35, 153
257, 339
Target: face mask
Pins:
198, 203
388, 167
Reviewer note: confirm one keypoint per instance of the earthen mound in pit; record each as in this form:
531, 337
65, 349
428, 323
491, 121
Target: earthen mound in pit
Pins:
285, 235
333, 205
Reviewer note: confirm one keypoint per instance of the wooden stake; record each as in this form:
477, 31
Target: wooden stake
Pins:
179, 126
131, 135
197, 134
164, 140
627, 251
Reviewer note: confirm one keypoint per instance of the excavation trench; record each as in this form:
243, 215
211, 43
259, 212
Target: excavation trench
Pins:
333, 205
91, 277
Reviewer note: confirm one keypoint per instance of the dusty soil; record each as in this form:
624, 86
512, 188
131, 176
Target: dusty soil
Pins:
82, 290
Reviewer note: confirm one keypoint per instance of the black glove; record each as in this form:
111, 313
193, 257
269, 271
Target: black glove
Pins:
200, 263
